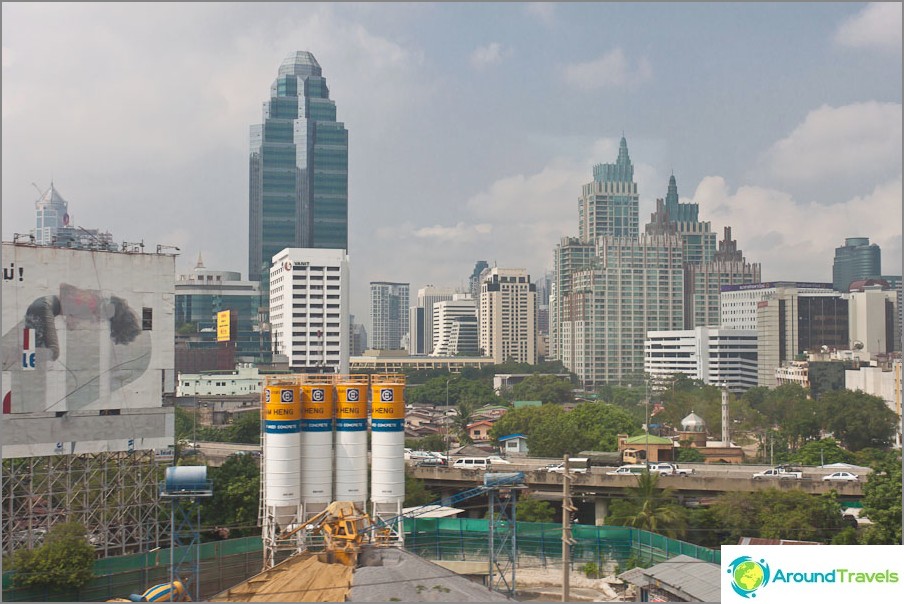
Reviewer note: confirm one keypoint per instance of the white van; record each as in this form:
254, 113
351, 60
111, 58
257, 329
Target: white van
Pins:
471, 463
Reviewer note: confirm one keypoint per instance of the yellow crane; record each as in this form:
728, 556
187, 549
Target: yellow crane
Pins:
343, 527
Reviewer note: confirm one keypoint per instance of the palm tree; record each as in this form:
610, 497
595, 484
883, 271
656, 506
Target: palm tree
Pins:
650, 508
461, 419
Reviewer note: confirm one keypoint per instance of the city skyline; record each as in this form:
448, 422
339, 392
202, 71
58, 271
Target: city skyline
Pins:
472, 128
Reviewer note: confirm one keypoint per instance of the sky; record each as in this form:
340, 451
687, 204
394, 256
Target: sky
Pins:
472, 126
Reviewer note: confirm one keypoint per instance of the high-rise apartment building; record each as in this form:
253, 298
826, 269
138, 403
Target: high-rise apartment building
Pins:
455, 330
856, 259
508, 316
309, 309
609, 204
388, 315
357, 337
298, 190
474, 279
51, 214
421, 318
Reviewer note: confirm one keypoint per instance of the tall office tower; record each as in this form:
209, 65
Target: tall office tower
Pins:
634, 285
420, 318
474, 279
697, 238
51, 214
703, 282
507, 316
791, 323
609, 204
357, 337
388, 315
455, 327
298, 190
857, 259
309, 309
570, 255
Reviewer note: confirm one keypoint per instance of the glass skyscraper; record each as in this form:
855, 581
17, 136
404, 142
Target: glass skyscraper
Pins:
298, 187
856, 259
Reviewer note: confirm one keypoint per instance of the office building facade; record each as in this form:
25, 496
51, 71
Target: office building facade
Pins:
738, 303
455, 328
388, 315
856, 259
298, 189
714, 356
309, 306
421, 318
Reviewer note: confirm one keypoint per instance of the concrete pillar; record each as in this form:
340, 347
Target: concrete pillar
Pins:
601, 510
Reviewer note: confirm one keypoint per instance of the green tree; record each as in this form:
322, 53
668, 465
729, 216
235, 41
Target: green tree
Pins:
431, 442
820, 452
184, 423
236, 495
649, 507
416, 493
245, 429
64, 561
529, 509
689, 454
882, 502
546, 388
858, 420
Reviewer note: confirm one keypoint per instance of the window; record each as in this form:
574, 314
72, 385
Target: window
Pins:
147, 318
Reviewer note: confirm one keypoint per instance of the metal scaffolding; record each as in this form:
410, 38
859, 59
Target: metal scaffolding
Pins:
112, 494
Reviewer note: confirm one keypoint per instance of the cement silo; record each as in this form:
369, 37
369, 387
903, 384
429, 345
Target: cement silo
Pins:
351, 439
387, 422
317, 402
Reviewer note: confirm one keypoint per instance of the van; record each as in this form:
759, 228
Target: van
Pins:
471, 463
629, 469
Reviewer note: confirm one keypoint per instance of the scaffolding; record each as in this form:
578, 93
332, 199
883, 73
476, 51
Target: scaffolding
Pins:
184, 487
112, 494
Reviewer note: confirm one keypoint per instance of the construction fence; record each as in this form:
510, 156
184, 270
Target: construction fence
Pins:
227, 563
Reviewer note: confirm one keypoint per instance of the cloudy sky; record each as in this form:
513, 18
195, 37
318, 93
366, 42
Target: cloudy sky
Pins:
472, 127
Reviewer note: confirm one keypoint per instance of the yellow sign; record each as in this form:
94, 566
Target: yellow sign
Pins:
224, 326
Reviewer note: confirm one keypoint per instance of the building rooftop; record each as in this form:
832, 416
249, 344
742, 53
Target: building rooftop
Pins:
686, 577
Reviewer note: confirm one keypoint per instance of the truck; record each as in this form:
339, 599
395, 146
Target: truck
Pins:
780, 472
670, 469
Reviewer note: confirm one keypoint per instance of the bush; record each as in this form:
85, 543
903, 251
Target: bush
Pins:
591, 570
64, 561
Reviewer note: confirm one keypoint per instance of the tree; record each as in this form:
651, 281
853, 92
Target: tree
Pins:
821, 452
529, 509
415, 491
546, 388
245, 429
236, 495
689, 454
64, 561
882, 502
650, 508
431, 442
857, 419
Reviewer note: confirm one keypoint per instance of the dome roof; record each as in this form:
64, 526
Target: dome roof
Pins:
693, 423
300, 63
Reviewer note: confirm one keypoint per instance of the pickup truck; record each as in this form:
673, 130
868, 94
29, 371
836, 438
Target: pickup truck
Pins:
670, 469
778, 473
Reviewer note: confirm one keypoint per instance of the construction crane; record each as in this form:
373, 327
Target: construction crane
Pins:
343, 527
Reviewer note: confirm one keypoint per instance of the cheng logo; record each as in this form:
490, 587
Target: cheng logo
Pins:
266, 396
352, 395
317, 395
748, 575
386, 395
287, 396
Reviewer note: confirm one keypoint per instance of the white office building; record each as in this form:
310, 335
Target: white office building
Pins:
455, 329
388, 315
739, 302
421, 318
508, 316
714, 356
309, 313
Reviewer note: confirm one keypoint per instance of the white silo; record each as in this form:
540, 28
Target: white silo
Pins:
387, 421
317, 397
281, 506
351, 439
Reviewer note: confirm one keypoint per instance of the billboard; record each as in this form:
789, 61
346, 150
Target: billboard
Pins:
224, 326
85, 331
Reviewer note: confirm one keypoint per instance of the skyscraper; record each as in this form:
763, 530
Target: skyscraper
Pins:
857, 259
51, 214
609, 204
298, 172
388, 315
508, 316
421, 317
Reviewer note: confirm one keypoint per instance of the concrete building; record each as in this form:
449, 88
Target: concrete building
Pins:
739, 303
474, 278
792, 323
882, 380
309, 309
455, 329
357, 337
241, 381
298, 165
856, 259
421, 318
714, 356
397, 361
872, 321
508, 316
388, 315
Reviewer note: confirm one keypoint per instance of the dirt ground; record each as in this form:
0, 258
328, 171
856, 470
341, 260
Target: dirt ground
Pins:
545, 585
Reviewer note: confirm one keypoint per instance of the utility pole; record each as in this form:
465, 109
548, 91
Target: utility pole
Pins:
567, 541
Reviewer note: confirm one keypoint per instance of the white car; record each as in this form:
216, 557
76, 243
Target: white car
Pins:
559, 468
843, 476
496, 460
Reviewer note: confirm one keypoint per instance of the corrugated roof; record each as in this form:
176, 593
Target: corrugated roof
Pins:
648, 438
690, 578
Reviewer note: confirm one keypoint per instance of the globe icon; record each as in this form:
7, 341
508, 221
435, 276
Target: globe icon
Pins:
748, 575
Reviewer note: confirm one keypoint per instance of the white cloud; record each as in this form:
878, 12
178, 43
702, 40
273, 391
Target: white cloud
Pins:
611, 69
878, 25
840, 143
460, 233
797, 241
491, 54
545, 12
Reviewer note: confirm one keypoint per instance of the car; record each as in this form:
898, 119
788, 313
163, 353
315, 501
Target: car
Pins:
430, 462
842, 476
495, 459
630, 469
559, 468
